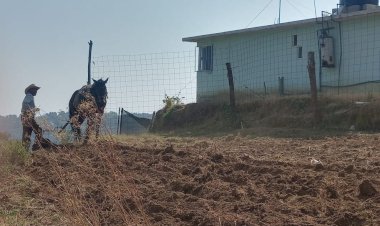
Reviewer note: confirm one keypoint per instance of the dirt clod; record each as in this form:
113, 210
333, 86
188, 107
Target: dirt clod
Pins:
349, 219
331, 192
217, 158
319, 167
366, 189
349, 169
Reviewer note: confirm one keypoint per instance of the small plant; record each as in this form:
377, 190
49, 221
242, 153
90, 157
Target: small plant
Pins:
170, 104
4, 136
13, 153
172, 101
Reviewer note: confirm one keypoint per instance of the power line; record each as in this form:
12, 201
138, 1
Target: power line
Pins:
296, 8
266, 6
301, 4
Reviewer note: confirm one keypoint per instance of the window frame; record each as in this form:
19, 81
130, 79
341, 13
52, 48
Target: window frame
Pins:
299, 52
295, 40
205, 58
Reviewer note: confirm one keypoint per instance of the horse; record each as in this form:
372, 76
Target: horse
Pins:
88, 103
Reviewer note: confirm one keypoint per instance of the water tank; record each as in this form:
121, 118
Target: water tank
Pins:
327, 51
358, 2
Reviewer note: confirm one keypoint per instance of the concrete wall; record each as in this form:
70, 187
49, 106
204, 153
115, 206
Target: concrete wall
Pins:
262, 57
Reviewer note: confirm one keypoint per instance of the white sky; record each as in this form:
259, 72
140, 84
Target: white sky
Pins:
45, 41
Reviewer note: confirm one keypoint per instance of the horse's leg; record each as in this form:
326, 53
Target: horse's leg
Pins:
76, 121
90, 128
97, 124
76, 130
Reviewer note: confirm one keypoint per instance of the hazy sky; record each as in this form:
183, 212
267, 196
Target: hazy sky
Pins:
45, 41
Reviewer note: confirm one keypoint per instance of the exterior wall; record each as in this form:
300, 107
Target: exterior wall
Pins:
360, 52
259, 58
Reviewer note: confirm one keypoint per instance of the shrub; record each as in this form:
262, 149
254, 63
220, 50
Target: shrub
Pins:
4, 136
13, 154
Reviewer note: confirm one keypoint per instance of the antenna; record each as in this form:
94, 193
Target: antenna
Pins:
279, 12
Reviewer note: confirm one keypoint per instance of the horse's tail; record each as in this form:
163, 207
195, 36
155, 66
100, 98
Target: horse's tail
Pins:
71, 110
72, 107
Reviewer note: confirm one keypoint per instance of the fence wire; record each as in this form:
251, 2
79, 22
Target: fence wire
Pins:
139, 83
270, 62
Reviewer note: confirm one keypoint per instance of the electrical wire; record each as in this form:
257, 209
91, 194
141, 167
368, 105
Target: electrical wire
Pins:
265, 7
300, 4
296, 8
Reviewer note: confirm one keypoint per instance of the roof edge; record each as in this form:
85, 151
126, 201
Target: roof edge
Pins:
282, 25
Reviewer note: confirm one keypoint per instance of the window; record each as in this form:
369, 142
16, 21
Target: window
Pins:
205, 58
295, 41
300, 52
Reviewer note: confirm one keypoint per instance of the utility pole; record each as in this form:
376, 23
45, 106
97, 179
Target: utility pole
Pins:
279, 12
89, 64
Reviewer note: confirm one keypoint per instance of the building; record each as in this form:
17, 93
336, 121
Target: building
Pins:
273, 59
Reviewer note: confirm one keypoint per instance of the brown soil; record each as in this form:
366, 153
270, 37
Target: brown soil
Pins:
230, 180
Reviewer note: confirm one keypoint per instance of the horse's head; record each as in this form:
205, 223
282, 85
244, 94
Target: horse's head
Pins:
99, 91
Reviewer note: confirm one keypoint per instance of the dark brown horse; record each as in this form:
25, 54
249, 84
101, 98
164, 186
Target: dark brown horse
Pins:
88, 103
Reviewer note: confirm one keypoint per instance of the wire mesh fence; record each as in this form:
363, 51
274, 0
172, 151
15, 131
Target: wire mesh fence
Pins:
139, 83
274, 60
269, 62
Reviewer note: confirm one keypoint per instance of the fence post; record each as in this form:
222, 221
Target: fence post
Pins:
231, 84
121, 120
89, 64
118, 123
151, 126
281, 88
313, 86
265, 89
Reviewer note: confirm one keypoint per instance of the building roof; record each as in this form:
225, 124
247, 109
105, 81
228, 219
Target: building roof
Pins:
340, 17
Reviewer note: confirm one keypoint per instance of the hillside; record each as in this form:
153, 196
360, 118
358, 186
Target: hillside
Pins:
52, 122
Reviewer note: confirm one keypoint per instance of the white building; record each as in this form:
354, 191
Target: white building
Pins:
272, 59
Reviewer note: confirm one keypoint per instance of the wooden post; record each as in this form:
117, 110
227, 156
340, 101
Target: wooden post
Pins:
118, 123
152, 122
265, 89
89, 64
281, 86
121, 119
313, 86
231, 84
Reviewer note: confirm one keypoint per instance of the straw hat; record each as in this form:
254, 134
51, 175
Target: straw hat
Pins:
31, 87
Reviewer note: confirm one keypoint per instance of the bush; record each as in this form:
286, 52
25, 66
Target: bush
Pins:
171, 101
4, 136
13, 154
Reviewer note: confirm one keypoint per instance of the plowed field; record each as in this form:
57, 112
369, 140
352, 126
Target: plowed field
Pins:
230, 180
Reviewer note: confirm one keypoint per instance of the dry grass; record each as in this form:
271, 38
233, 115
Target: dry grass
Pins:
89, 185
67, 185
17, 204
338, 114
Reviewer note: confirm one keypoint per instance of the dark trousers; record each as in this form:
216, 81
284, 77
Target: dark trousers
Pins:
29, 126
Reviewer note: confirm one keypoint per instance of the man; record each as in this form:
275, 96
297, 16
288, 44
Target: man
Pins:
28, 112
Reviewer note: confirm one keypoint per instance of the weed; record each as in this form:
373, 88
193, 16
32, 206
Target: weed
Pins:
4, 136
18, 155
